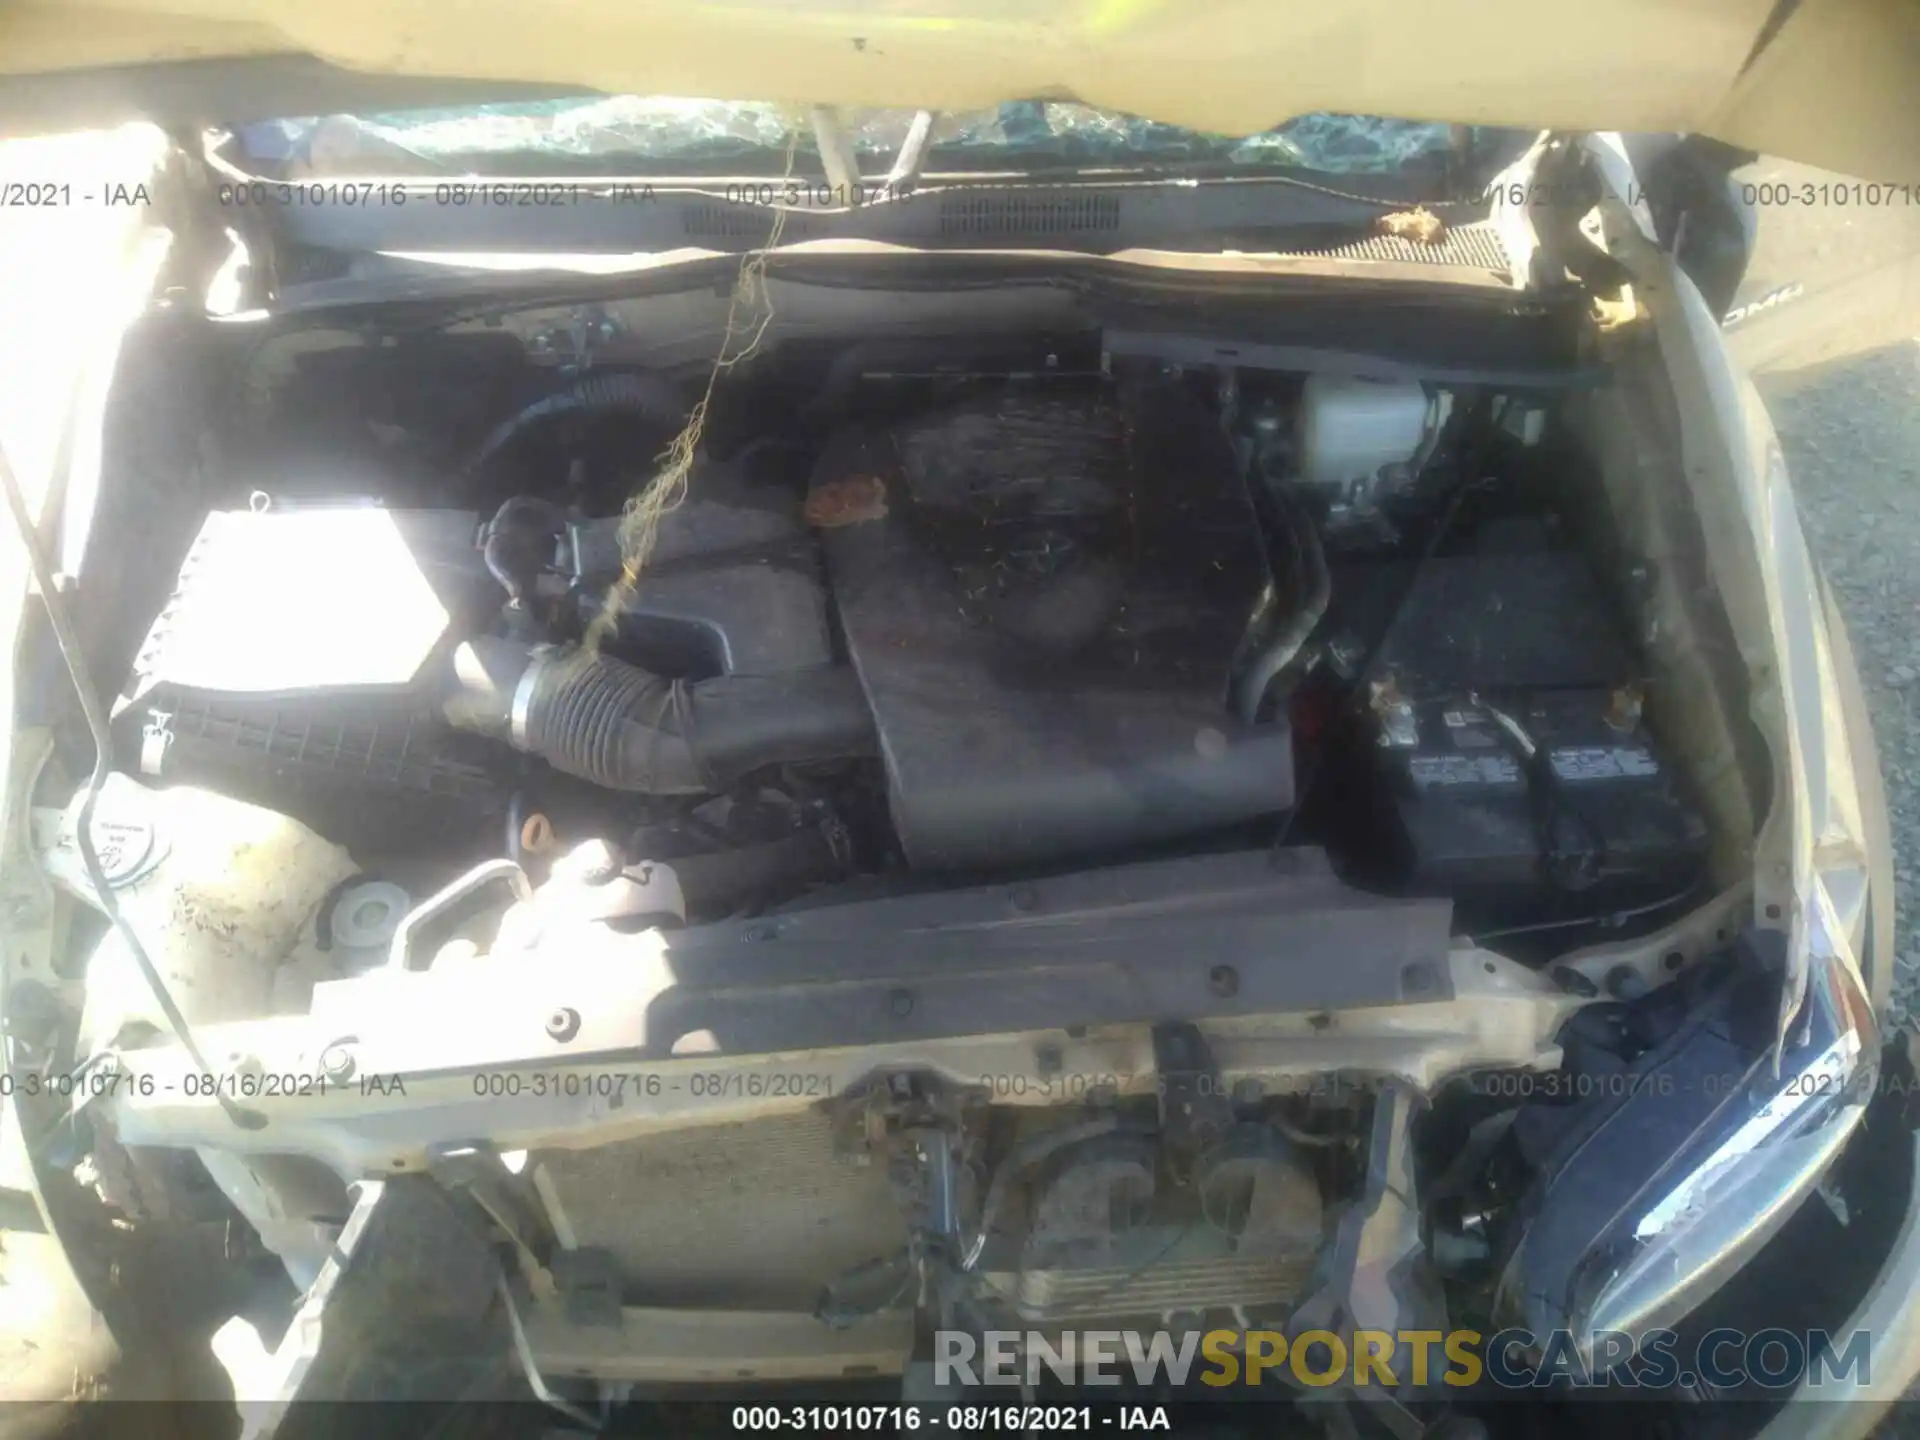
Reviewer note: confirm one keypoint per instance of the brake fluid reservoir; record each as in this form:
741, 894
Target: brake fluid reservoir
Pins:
1349, 429
220, 893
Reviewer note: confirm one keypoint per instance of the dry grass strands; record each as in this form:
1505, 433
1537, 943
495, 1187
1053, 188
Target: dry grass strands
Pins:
749, 313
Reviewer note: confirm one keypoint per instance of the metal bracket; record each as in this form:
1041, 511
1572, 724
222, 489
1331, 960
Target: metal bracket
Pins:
530, 1367
478, 1171
399, 956
1377, 1278
588, 1280
914, 1124
1195, 1111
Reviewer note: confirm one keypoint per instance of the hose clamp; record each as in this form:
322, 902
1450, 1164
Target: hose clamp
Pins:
520, 713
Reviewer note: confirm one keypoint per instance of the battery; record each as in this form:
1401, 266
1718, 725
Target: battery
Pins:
1594, 815
1567, 808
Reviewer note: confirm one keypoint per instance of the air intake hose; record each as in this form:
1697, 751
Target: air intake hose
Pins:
627, 729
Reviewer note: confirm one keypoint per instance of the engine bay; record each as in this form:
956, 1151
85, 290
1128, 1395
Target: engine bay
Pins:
914, 627
1008, 832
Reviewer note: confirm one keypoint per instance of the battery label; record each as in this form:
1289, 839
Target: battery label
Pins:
1433, 770
1604, 762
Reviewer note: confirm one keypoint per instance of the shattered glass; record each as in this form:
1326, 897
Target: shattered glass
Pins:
684, 133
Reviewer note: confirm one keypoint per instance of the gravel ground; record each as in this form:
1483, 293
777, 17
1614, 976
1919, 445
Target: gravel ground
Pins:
1852, 441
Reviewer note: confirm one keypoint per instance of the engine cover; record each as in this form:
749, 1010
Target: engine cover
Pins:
1043, 591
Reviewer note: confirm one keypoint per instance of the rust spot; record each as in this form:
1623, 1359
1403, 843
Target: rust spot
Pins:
851, 501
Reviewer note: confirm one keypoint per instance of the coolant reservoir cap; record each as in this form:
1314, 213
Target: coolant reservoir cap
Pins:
124, 837
127, 839
125, 847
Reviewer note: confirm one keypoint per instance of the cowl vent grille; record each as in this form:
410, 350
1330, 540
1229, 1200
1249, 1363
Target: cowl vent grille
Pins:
1476, 246
746, 222
1028, 215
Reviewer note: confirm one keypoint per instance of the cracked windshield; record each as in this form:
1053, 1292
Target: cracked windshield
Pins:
690, 136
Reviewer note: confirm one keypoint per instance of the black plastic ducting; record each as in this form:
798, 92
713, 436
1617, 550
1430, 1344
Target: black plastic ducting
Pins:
627, 729
596, 392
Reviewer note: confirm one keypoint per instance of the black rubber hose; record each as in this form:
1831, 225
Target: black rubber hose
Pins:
517, 550
1284, 645
1024, 1157
597, 391
628, 729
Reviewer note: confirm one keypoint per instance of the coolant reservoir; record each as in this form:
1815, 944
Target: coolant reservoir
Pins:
220, 893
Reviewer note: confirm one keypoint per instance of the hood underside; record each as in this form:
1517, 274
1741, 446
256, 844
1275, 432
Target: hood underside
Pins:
1828, 82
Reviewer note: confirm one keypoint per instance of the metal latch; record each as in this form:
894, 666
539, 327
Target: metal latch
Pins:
156, 738
1195, 1110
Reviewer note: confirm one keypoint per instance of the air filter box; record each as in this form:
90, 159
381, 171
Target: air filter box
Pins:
288, 666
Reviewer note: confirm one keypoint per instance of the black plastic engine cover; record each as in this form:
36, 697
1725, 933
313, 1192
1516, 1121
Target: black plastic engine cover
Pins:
731, 585
1043, 590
